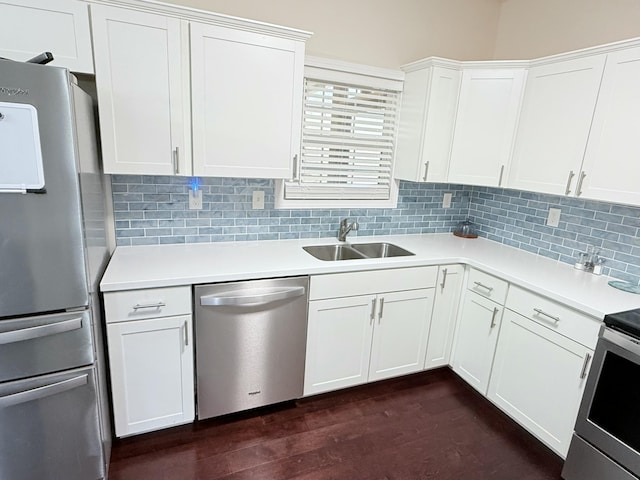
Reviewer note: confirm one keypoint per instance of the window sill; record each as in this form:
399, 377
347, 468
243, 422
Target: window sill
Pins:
310, 204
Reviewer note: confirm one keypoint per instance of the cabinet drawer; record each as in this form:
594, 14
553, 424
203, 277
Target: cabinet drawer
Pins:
363, 283
560, 318
147, 303
488, 286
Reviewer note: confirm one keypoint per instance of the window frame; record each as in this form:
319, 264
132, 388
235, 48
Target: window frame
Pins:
351, 74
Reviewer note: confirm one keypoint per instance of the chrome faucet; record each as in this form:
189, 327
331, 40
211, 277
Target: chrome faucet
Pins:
345, 228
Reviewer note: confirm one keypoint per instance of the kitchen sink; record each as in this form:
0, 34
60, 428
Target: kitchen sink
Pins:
356, 251
381, 250
333, 252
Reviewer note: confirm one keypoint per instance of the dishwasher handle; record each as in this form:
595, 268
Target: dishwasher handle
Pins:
242, 298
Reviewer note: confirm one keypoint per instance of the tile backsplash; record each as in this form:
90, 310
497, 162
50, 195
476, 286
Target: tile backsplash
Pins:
154, 210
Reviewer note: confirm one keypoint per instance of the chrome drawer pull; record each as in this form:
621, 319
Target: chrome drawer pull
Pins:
587, 359
139, 306
541, 312
482, 285
40, 331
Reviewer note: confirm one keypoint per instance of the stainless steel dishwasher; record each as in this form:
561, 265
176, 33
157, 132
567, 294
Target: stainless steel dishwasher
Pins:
250, 343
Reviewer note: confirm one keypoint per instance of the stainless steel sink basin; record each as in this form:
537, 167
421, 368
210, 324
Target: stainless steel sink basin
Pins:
356, 251
333, 252
381, 250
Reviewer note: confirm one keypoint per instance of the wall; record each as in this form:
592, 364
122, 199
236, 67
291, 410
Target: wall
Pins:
519, 219
153, 210
534, 28
378, 32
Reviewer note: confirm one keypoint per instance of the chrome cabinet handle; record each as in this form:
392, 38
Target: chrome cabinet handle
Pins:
43, 392
30, 333
295, 167
240, 299
543, 313
501, 173
373, 310
579, 186
587, 359
444, 278
139, 306
482, 285
186, 334
567, 190
426, 171
493, 317
381, 309
176, 160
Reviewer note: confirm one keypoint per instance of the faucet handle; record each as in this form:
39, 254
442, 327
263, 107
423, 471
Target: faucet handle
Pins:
355, 225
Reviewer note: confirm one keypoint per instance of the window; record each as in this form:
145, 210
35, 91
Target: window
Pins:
348, 136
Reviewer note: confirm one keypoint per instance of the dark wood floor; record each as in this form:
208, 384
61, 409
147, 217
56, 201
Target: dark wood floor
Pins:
425, 426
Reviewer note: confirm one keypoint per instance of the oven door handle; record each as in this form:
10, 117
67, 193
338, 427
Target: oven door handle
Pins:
43, 392
30, 333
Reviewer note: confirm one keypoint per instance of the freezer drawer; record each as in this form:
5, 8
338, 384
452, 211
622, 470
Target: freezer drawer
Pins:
50, 428
250, 344
33, 346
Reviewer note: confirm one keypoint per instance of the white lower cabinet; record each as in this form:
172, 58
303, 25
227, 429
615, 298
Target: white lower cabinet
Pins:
338, 343
359, 338
443, 319
150, 358
476, 338
538, 379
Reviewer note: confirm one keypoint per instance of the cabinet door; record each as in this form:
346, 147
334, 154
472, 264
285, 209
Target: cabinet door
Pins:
400, 333
151, 373
30, 27
247, 102
485, 125
556, 116
338, 343
143, 95
538, 379
476, 338
427, 117
611, 162
445, 311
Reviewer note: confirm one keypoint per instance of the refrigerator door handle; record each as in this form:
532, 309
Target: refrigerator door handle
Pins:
41, 331
42, 392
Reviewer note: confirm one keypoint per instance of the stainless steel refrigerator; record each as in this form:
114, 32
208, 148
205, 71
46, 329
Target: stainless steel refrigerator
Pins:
54, 418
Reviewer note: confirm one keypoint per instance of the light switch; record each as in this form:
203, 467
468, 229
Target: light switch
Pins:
446, 201
195, 199
553, 219
258, 199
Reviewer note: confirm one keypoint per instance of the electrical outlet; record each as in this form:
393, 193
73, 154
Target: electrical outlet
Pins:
446, 201
195, 199
258, 199
553, 219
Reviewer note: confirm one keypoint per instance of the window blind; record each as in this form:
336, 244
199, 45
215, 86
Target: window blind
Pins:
348, 137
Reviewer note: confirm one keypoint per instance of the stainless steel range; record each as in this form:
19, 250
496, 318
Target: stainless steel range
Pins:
606, 441
54, 419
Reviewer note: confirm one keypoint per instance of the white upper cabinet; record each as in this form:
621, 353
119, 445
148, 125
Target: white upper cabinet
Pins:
247, 102
485, 125
611, 167
427, 118
143, 98
30, 27
557, 111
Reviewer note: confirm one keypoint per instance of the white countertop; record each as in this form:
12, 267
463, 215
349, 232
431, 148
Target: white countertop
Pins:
172, 265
